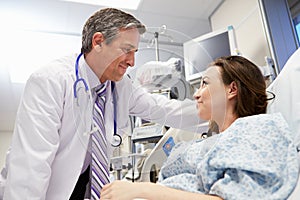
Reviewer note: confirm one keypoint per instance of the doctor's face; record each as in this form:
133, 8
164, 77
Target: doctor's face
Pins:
210, 97
119, 54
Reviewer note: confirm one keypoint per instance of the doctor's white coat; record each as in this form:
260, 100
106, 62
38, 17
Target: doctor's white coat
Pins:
51, 134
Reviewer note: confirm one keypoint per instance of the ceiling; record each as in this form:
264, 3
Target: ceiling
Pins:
189, 18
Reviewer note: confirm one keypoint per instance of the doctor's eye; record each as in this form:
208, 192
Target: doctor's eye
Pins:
126, 50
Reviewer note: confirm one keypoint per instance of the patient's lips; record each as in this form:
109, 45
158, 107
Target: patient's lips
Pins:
198, 104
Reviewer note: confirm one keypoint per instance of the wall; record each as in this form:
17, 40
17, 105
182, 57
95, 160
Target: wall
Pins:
246, 19
280, 29
5, 139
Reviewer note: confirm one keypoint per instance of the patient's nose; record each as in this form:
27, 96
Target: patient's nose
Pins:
197, 94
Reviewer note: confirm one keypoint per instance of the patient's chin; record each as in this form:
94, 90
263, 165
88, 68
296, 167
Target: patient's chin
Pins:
203, 116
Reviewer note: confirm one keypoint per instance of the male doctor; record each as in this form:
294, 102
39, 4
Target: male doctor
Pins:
49, 156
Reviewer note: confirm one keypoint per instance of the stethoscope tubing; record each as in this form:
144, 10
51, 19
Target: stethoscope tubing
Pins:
116, 137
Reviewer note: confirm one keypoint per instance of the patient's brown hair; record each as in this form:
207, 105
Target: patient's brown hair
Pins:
252, 97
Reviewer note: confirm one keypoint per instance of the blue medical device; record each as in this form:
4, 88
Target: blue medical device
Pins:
168, 145
117, 139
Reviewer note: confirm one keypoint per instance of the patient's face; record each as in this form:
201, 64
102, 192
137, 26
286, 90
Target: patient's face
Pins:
211, 99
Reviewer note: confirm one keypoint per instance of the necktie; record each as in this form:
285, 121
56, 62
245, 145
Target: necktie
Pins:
100, 173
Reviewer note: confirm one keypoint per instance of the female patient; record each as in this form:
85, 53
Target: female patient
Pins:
253, 157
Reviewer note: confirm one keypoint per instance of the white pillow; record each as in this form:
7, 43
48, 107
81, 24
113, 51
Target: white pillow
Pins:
286, 88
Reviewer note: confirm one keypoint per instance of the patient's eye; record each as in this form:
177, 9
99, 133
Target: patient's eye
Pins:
203, 83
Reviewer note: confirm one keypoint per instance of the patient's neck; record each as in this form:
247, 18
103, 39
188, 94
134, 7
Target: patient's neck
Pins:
224, 123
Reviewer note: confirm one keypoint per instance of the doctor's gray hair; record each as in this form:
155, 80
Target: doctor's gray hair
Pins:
109, 22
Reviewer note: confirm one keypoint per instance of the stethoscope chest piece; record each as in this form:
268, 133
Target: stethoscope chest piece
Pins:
117, 140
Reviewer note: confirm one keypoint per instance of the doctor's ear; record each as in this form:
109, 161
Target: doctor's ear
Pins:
97, 40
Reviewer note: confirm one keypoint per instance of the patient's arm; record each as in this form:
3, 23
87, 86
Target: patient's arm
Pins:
123, 190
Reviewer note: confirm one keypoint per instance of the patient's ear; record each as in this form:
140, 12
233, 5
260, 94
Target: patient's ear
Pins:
232, 90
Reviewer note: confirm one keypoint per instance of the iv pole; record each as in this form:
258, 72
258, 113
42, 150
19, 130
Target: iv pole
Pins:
156, 45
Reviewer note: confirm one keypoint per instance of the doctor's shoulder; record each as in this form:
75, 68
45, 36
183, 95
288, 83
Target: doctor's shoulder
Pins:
56, 69
54, 77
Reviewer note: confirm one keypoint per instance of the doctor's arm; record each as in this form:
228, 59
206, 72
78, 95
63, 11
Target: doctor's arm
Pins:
123, 190
159, 109
35, 139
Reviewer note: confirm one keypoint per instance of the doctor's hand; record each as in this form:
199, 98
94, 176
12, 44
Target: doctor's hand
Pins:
121, 190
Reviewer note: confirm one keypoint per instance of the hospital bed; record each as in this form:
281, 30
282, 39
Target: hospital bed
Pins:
159, 153
286, 87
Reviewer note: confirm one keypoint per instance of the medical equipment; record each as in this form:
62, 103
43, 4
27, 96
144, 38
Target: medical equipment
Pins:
158, 75
117, 139
123, 162
160, 32
148, 131
159, 153
201, 51
149, 168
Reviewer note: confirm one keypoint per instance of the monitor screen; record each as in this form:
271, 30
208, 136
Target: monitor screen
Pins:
201, 51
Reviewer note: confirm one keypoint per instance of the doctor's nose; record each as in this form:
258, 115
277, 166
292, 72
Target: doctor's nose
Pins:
130, 58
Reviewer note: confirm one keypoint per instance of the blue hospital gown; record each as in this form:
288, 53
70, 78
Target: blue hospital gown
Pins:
254, 158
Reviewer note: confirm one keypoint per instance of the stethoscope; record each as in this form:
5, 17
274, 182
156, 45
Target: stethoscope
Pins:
117, 139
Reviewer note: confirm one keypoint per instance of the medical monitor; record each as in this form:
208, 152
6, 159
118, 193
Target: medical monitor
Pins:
201, 51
